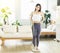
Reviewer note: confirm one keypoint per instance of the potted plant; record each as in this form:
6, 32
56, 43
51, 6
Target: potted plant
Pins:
47, 16
17, 24
1, 26
5, 12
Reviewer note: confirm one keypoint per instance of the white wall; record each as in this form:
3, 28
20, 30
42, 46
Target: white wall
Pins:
17, 9
58, 23
52, 8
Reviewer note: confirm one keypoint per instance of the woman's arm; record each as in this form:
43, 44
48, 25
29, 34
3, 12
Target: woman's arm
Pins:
31, 17
43, 18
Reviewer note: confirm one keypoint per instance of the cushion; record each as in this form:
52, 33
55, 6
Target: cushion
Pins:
25, 29
9, 28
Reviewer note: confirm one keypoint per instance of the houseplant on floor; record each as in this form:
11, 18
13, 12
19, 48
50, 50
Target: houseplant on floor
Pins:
1, 26
47, 16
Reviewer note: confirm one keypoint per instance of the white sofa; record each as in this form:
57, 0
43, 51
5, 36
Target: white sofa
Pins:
9, 32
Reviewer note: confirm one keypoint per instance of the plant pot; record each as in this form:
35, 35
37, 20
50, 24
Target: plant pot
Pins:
17, 30
4, 22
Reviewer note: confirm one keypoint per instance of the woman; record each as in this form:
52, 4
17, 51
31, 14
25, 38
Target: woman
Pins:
36, 19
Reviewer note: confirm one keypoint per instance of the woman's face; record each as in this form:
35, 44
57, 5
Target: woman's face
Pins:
37, 8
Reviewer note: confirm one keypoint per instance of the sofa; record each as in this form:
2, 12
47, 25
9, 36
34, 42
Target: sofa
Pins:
9, 32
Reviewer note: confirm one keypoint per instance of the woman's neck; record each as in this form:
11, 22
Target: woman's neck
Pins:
37, 11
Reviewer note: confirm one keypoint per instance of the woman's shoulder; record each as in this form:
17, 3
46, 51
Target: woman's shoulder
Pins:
32, 13
41, 13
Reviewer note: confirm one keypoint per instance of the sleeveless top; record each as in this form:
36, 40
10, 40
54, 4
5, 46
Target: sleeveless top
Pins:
37, 17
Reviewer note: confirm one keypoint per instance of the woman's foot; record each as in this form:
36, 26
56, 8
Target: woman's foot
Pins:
34, 49
37, 49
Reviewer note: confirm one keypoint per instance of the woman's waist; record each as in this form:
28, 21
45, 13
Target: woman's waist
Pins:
36, 22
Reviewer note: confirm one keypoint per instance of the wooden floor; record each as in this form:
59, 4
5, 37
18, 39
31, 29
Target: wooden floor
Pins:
19, 46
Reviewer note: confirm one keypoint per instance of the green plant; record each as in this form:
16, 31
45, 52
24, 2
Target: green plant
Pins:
47, 16
1, 24
17, 23
5, 12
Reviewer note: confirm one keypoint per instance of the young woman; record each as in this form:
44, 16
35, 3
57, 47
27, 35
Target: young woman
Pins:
36, 18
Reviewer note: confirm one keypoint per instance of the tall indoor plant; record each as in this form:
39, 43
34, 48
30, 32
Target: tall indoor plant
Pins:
47, 16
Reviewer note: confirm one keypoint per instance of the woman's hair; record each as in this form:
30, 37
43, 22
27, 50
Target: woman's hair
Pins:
38, 5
